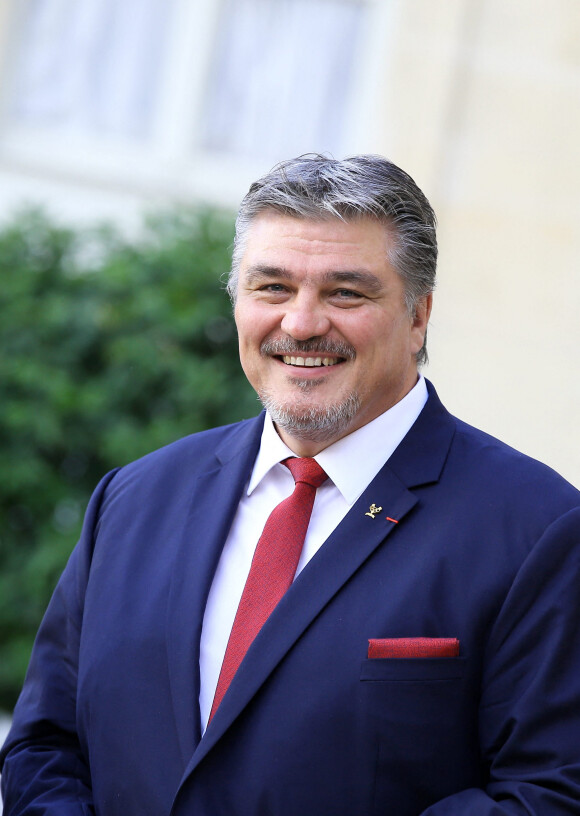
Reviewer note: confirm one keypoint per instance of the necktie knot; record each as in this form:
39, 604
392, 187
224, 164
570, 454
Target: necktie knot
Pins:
305, 469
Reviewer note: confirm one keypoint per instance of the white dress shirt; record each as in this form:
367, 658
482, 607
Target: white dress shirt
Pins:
350, 464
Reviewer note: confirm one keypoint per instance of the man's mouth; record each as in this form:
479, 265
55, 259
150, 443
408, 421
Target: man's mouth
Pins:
310, 361
316, 353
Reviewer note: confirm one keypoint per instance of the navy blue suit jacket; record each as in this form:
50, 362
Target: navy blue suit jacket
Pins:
485, 548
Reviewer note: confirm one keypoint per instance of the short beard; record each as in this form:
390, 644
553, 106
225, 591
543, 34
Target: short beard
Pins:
312, 423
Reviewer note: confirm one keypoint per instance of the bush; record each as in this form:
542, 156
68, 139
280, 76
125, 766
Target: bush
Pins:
110, 349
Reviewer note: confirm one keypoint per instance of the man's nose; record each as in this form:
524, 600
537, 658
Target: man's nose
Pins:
305, 318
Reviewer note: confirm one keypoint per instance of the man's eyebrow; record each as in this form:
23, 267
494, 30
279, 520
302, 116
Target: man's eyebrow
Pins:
260, 272
357, 277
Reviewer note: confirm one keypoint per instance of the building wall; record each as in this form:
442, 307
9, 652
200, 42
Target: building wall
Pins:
478, 100
485, 97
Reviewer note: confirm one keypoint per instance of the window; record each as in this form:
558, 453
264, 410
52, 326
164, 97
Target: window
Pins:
281, 77
188, 98
89, 66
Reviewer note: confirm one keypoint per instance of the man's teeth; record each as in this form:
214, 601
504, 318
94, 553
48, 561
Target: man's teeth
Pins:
310, 361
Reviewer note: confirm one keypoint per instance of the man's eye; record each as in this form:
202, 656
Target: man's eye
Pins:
273, 287
347, 293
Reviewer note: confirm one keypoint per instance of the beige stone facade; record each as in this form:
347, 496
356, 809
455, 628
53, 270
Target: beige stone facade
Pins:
486, 101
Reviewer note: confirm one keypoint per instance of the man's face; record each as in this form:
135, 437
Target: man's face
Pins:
325, 336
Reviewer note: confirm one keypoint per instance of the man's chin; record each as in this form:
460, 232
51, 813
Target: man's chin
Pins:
312, 422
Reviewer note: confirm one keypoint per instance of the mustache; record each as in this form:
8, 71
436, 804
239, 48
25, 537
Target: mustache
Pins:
316, 345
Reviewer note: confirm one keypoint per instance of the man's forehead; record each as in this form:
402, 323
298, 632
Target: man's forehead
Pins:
272, 231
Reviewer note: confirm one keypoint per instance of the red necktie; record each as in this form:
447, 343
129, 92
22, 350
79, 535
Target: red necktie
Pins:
273, 566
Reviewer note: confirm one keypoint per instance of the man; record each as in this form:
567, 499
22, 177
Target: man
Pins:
425, 656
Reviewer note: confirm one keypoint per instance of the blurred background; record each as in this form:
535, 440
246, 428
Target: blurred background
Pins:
130, 130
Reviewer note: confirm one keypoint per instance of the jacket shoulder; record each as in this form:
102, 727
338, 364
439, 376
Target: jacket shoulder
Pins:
492, 458
193, 453
477, 468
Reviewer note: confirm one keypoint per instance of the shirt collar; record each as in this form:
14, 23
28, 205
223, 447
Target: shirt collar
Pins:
353, 461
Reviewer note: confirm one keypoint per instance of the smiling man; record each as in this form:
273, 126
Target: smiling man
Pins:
326, 337
352, 604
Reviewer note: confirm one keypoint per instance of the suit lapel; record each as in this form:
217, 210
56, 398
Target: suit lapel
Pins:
214, 500
341, 555
417, 461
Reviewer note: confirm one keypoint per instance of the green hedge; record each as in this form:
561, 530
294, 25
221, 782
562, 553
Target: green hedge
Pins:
109, 349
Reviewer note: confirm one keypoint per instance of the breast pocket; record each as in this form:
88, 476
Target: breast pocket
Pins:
419, 715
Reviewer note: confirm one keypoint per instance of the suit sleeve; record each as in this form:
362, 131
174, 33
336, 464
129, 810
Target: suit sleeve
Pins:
529, 722
43, 763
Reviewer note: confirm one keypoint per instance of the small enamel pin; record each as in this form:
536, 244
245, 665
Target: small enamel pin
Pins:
373, 510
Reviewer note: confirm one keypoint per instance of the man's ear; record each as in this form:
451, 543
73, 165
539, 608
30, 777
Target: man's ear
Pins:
420, 320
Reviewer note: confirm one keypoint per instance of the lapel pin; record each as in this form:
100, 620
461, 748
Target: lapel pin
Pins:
392, 519
373, 510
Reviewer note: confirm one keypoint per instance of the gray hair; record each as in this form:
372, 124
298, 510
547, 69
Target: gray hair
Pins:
319, 188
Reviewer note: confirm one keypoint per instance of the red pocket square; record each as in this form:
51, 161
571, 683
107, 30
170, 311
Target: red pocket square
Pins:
413, 647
